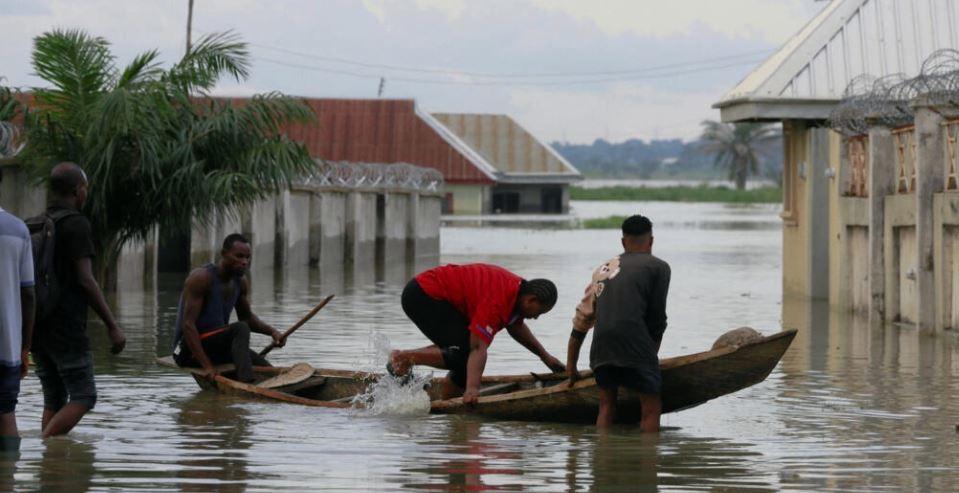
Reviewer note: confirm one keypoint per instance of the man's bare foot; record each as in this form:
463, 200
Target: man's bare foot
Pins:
399, 366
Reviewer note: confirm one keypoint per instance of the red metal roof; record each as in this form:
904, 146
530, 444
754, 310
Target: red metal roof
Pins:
377, 131
382, 131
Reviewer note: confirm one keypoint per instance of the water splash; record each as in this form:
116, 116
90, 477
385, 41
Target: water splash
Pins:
389, 395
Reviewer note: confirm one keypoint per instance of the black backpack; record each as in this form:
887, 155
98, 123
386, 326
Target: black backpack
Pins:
43, 235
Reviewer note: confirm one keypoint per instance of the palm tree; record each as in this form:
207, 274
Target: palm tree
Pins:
737, 146
156, 149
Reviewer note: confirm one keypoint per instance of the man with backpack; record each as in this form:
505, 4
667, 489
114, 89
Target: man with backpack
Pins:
66, 287
16, 321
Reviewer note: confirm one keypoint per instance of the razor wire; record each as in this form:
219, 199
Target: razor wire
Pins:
849, 117
10, 142
889, 100
397, 176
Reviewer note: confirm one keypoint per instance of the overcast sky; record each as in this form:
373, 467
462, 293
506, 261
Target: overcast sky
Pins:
568, 70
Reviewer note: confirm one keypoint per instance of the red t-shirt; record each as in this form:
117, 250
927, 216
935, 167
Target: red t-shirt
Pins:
485, 293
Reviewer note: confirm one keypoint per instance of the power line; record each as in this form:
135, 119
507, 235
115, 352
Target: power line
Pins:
507, 83
455, 72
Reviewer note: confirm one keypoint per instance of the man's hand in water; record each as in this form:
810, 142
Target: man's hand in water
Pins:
471, 397
278, 339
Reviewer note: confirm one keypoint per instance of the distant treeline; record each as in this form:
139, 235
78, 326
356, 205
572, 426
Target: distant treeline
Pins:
701, 193
662, 159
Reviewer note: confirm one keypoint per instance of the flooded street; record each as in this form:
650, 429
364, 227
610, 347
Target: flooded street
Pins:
850, 408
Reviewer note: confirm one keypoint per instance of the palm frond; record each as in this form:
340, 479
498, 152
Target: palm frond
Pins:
212, 57
77, 65
145, 67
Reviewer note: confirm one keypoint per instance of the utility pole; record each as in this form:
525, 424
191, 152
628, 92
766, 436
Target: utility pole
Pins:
189, 26
379, 92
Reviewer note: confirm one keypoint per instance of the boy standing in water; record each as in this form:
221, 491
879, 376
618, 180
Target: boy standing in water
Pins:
626, 303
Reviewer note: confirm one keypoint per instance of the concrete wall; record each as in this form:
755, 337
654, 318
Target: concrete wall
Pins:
391, 231
424, 224
946, 218
328, 229
795, 256
260, 226
203, 246
469, 200
361, 229
17, 195
809, 153
136, 266
849, 270
293, 228
900, 259
857, 266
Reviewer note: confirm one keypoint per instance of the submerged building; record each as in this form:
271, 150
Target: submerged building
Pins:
868, 96
490, 164
528, 175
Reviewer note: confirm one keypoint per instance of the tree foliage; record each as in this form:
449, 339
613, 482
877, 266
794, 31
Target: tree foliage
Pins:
156, 149
10, 144
736, 147
654, 159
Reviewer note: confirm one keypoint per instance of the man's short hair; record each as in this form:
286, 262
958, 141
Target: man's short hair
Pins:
231, 239
637, 225
65, 178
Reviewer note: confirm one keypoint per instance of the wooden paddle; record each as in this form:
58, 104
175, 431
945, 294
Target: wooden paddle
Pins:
297, 325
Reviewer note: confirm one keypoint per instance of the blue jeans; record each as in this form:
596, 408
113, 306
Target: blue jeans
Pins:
9, 388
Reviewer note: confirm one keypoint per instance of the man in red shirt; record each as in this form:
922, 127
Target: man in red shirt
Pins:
460, 308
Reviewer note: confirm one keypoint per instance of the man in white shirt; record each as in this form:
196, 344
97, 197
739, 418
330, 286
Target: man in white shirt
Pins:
17, 302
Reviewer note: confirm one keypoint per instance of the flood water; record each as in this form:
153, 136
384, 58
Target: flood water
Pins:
850, 408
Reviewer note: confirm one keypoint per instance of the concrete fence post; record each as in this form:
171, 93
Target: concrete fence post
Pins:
882, 179
328, 228
817, 203
930, 160
361, 229
392, 228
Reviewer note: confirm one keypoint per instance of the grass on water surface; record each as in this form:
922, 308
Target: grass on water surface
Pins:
700, 193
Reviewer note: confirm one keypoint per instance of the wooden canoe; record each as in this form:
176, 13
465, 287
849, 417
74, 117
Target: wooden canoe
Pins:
688, 381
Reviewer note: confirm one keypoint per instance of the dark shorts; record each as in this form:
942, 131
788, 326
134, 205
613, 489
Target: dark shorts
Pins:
66, 377
643, 380
442, 324
9, 388
218, 346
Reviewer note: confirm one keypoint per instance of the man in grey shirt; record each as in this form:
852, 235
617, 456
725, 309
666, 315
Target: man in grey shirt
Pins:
626, 303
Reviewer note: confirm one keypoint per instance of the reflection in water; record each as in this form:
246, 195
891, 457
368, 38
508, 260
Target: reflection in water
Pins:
216, 437
66, 465
625, 462
469, 462
8, 467
858, 397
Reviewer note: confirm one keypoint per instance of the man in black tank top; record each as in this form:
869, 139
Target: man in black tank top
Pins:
210, 294
626, 304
